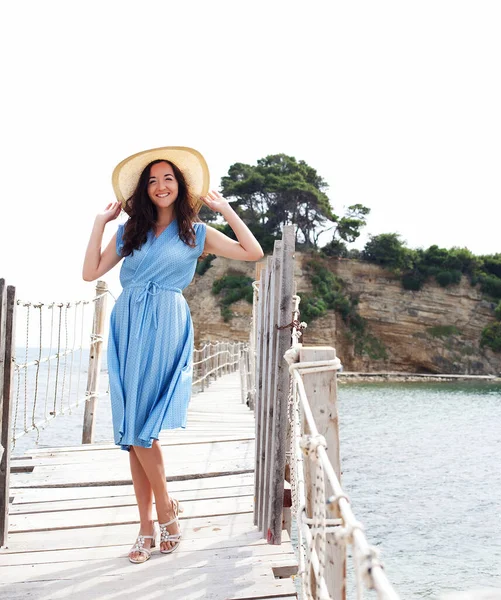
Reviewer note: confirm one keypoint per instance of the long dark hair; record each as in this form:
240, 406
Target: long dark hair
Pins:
143, 213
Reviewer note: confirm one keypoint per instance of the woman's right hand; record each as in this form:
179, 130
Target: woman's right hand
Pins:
110, 213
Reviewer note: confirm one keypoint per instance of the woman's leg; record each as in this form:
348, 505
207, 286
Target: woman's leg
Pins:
152, 462
144, 497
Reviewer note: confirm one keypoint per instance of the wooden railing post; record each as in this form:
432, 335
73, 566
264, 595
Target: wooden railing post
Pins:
275, 271
321, 391
259, 411
242, 375
3, 316
95, 353
7, 346
202, 368
280, 397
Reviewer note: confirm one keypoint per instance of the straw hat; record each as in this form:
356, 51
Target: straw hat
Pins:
189, 161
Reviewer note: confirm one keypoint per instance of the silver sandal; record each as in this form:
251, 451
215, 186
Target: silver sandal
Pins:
165, 536
139, 547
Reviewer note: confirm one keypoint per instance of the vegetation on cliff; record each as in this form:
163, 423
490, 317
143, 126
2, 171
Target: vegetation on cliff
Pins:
329, 292
416, 266
230, 288
280, 190
205, 264
491, 335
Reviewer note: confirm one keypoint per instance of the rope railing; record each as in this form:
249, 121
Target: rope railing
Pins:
215, 359
48, 369
331, 514
298, 467
42, 378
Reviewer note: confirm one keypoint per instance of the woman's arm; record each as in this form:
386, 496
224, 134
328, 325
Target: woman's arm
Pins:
97, 263
246, 248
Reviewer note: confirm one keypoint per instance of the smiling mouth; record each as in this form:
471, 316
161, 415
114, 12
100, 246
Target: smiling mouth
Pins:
163, 195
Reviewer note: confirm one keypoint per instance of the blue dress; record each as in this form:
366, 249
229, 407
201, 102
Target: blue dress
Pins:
150, 345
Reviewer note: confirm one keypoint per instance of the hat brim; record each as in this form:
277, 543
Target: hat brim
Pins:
189, 161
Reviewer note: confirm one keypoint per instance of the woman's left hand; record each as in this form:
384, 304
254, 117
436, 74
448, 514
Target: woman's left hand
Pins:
216, 202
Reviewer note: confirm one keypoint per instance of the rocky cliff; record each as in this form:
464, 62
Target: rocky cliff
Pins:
434, 330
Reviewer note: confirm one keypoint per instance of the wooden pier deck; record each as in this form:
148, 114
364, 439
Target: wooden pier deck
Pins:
73, 518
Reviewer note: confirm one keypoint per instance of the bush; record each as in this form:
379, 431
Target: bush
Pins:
442, 331
492, 264
205, 264
413, 280
490, 285
329, 293
491, 337
232, 287
445, 278
387, 250
497, 312
335, 248
354, 254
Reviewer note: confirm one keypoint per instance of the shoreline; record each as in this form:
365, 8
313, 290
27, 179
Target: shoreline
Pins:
394, 377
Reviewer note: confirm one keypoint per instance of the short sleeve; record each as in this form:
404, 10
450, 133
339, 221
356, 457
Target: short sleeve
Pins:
120, 242
200, 233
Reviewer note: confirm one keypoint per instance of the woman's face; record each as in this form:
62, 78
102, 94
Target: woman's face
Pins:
162, 185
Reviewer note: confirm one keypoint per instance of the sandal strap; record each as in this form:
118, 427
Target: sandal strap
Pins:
139, 543
175, 537
174, 520
165, 536
142, 549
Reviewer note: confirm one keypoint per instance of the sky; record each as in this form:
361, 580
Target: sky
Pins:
396, 104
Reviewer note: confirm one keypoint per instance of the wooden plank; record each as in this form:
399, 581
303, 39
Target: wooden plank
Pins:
274, 313
48, 476
220, 528
257, 548
6, 409
94, 368
113, 515
3, 320
182, 438
42, 495
130, 500
263, 412
154, 584
200, 562
171, 454
322, 396
280, 420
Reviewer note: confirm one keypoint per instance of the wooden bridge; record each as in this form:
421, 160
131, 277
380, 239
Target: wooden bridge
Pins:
73, 517
258, 461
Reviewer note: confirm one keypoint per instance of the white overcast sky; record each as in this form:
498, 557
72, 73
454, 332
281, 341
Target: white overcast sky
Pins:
395, 103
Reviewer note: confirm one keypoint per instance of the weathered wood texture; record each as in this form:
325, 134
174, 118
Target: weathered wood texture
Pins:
3, 315
8, 333
94, 362
274, 315
73, 540
280, 398
321, 391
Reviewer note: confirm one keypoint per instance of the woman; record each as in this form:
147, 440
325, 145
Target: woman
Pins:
151, 334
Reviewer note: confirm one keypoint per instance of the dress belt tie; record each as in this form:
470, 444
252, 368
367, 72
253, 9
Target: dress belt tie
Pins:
150, 291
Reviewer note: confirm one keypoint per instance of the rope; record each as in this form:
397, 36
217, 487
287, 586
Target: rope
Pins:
315, 530
54, 410
37, 373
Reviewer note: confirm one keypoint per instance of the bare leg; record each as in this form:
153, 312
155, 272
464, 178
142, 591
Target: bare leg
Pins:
144, 497
152, 462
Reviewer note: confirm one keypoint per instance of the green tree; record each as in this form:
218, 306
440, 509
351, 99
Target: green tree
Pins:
388, 250
281, 190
